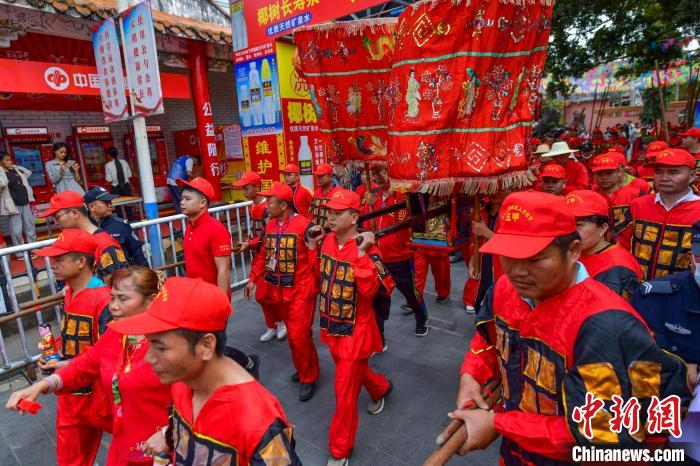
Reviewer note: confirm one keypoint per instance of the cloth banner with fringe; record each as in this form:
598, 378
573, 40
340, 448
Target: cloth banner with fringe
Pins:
347, 66
468, 73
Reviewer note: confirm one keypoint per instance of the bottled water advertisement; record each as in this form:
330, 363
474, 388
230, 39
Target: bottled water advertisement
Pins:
258, 96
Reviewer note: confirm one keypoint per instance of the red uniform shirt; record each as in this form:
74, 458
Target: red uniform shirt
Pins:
576, 176
615, 268
144, 400
619, 203
639, 183
302, 199
394, 247
86, 316
318, 213
348, 286
109, 256
258, 218
238, 425
205, 239
661, 239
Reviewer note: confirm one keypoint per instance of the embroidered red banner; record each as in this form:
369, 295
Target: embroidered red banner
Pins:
347, 67
468, 73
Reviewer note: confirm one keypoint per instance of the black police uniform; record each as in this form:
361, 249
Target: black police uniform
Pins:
120, 230
671, 307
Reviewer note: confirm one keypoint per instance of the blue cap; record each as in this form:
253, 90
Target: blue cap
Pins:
98, 193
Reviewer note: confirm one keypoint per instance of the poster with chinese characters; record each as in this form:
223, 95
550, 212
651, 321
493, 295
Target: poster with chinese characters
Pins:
265, 155
110, 71
142, 60
257, 87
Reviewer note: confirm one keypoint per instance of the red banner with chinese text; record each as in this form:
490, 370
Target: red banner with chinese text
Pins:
468, 94
301, 128
265, 155
347, 67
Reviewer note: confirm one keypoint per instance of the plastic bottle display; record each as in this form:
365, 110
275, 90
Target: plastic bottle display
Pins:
239, 29
304, 149
256, 107
268, 96
244, 106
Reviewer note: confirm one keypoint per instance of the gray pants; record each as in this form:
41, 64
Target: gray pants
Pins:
22, 222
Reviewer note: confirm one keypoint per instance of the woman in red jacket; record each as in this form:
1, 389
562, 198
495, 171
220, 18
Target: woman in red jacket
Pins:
117, 361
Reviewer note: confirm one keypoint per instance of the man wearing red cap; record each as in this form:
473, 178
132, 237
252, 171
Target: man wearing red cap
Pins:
547, 369
220, 414
691, 142
251, 184
607, 174
644, 168
552, 179
352, 273
576, 172
324, 192
395, 252
207, 248
302, 194
610, 264
69, 211
83, 415
290, 270
661, 230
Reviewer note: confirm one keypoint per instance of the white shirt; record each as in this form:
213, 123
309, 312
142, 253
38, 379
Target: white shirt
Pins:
687, 198
189, 166
111, 172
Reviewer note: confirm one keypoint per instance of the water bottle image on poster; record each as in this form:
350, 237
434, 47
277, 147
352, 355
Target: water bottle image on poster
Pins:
257, 84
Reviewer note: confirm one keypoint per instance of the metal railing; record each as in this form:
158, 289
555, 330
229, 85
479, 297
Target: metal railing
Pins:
32, 290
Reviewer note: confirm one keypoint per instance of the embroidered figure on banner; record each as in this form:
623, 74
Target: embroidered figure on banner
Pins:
380, 48
369, 144
377, 91
427, 160
353, 104
412, 96
479, 23
336, 152
500, 85
312, 54
440, 79
470, 92
393, 97
330, 96
314, 101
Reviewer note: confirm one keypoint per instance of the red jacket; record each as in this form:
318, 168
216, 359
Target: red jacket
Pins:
302, 199
547, 369
619, 203
348, 286
576, 177
285, 262
661, 238
615, 268
318, 213
394, 247
240, 424
639, 183
144, 400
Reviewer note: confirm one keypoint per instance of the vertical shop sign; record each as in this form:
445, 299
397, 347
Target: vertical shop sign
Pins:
110, 71
142, 60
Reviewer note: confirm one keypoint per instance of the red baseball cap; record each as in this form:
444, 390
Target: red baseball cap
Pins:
291, 168
535, 141
656, 146
607, 161
529, 221
553, 170
584, 203
64, 200
343, 199
280, 190
248, 178
323, 169
618, 149
186, 303
200, 184
692, 133
674, 157
70, 240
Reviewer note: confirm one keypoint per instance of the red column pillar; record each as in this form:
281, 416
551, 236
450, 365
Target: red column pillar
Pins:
212, 169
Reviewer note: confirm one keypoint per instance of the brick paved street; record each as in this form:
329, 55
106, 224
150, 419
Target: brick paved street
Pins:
425, 372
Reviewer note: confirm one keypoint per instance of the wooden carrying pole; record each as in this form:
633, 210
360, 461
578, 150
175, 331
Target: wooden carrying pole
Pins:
595, 99
662, 104
455, 434
475, 239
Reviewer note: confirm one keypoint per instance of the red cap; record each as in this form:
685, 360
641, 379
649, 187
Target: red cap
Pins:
692, 133
70, 240
323, 169
291, 168
576, 142
200, 184
187, 303
343, 199
280, 190
674, 157
607, 161
64, 200
553, 170
617, 148
535, 141
248, 178
656, 146
584, 203
530, 220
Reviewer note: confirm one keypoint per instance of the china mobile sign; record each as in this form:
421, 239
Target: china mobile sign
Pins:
141, 58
